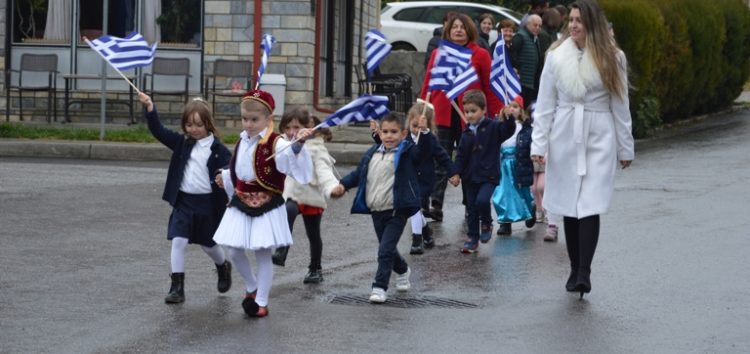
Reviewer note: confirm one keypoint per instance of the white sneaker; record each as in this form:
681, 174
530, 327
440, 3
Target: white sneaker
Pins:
377, 296
402, 281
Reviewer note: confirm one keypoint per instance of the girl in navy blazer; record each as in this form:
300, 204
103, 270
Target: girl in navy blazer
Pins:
198, 203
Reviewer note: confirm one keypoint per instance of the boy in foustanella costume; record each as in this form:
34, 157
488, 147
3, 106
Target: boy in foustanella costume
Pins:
256, 217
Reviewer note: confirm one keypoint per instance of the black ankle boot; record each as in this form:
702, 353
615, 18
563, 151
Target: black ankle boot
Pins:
427, 239
314, 276
416, 244
279, 256
224, 272
583, 284
504, 229
177, 290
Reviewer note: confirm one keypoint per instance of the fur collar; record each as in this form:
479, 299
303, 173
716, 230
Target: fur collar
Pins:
575, 68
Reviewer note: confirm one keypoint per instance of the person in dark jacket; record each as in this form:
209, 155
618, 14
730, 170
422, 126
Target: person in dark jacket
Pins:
478, 167
388, 190
198, 203
527, 58
421, 232
512, 198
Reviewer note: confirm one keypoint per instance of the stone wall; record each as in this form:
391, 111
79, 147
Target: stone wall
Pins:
3, 6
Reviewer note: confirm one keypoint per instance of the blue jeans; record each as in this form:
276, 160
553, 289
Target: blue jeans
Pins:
478, 196
388, 228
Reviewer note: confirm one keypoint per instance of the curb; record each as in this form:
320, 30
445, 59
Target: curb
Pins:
344, 153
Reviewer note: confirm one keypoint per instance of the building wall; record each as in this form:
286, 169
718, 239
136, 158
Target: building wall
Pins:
3, 7
229, 34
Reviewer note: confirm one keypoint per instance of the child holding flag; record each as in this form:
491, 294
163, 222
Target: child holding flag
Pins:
256, 217
388, 190
309, 200
477, 164
198, 203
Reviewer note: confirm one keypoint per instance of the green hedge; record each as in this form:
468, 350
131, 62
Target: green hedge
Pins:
686, 56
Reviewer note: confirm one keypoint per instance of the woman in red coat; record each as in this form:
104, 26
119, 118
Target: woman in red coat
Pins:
460, 29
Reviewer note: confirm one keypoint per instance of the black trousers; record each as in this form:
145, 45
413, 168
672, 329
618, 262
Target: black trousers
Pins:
312, 228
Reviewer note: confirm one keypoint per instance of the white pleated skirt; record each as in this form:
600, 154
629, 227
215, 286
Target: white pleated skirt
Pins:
240, 230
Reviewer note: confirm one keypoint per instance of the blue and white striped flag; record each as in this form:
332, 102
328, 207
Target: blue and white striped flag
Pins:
266, 45
504, 81
124, 53
362, 109
377, 49
452, 71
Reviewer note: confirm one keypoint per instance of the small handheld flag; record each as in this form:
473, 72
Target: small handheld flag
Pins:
266, 45
362, 109
452, 71
377, 50
124, 53
504, 81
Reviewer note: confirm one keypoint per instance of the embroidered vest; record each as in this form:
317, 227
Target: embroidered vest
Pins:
267, 177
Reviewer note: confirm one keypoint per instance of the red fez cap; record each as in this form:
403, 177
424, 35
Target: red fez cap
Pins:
261, 96
519, 100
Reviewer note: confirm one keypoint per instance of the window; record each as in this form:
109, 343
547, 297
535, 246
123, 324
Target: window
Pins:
435, 15
409, 14
179, 22
173, 23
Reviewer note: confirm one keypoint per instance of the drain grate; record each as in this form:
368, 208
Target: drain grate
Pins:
402, 302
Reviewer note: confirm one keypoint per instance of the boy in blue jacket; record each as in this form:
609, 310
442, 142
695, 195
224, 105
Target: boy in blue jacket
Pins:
478, 165
388, 190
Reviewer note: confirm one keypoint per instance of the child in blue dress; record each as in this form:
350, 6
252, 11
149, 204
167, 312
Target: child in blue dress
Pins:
512, 198
198, 203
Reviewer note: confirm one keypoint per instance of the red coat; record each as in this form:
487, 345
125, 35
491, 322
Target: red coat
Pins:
482, 64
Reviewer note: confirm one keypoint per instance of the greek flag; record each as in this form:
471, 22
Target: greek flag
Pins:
362, 109
377, 49
124, 53
266, 45
452, 71
503, 79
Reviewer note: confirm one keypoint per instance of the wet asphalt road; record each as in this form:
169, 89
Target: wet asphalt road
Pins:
85, 268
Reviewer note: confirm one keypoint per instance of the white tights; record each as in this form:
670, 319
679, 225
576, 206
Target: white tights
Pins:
418, 222
179, 247
265, 272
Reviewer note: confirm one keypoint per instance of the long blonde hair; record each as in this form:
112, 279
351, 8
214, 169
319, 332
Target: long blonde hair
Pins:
600, 44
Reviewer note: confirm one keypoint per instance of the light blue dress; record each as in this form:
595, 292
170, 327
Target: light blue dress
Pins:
512, 203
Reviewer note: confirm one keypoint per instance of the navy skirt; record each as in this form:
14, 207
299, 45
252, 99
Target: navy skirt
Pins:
194, 219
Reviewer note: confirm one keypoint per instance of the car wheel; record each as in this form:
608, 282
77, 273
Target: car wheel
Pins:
404, 46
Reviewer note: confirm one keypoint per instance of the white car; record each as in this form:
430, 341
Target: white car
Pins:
409, 25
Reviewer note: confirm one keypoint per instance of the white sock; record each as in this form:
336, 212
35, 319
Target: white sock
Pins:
265, 276
177, 257
418, 222
241, 263
553, 219
216, 253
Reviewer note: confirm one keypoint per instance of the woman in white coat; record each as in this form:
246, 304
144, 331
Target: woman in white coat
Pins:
583, 124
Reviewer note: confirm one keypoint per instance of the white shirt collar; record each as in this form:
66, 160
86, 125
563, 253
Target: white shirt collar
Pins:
260, 135
207, 141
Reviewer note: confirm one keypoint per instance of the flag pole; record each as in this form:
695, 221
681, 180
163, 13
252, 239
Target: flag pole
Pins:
116, 69
290, 144
460, 113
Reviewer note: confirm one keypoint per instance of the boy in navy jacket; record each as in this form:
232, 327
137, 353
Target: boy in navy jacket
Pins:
478, 165
388, 190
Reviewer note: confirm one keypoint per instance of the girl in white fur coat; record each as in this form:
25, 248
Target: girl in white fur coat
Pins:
308, 199
583, 122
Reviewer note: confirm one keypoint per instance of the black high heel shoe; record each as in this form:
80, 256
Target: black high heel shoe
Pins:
570, 285
583, 284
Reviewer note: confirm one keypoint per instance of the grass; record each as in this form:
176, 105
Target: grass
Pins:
134, 134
